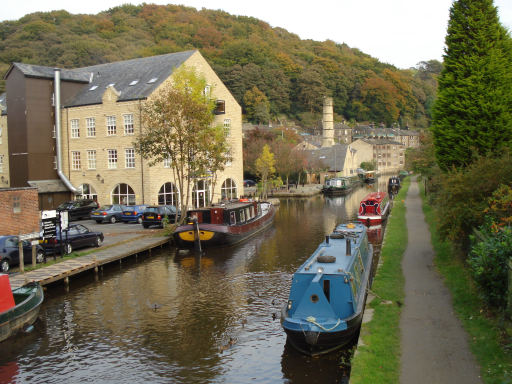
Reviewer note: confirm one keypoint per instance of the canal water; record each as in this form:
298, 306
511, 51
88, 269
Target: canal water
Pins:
173, 317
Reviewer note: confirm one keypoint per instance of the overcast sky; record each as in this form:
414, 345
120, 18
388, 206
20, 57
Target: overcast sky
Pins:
399, 32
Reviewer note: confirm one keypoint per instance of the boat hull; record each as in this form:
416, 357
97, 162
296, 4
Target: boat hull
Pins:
336, 191
23, 314
315, 343
222, 235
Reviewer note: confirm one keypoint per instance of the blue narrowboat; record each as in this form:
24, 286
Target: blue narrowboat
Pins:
328, 292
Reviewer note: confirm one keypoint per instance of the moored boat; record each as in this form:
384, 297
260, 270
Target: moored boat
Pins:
374, 208
328, 292
369, 177
20, 308
225, 224
337, 186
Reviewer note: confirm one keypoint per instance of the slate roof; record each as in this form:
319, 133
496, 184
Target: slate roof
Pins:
41, 72
381, 141
333, 157
3, 104
123, 73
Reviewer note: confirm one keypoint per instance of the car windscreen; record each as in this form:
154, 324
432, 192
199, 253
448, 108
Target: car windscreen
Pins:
106, 207
152, 209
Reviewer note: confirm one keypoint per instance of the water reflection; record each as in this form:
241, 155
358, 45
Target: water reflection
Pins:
177, 317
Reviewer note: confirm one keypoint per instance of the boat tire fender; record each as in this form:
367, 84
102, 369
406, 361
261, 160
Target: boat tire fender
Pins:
326, 259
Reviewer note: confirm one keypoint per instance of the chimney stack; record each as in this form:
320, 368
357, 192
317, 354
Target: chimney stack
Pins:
328, 123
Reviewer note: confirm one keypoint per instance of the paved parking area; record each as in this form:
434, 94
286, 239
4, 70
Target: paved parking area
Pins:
115, 233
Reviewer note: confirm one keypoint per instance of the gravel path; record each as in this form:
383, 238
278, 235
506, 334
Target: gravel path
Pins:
434, 345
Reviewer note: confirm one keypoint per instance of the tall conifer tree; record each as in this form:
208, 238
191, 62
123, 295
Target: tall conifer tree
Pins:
473, 110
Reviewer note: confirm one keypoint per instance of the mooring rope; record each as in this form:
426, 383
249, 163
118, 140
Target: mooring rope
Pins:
312, 320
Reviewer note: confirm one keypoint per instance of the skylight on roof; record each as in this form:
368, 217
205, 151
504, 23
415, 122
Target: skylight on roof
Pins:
93, 88
134, 82
153, 80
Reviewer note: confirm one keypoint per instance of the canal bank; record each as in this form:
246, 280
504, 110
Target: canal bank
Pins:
413, 334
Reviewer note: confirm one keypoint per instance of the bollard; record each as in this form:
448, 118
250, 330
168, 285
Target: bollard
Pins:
21, 256
34, 261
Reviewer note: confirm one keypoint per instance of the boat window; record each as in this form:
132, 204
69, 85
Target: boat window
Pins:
242, 216
314, 298
232, 218
327, 289
354, 291
252, 211
248, 213
360, 259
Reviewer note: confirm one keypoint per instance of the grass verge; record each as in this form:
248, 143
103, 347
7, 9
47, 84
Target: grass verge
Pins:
378, 355
488, 340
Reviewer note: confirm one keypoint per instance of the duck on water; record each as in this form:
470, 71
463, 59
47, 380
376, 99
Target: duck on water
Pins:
328, 292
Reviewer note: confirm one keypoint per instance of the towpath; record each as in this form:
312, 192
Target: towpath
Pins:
434, 345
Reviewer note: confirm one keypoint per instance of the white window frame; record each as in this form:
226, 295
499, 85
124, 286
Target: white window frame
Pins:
227, 127
111, 125
112, 158
129, 158
90, 123
91, 159
128, 124
75, 161
75, 128
167, 162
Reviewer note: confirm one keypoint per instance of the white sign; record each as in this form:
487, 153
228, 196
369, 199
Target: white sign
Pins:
28, 236
34, 242
64, 220
49, 214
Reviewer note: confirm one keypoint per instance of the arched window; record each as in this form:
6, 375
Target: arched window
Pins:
200, 194
87, 192
123, 194
228, 190
168, 195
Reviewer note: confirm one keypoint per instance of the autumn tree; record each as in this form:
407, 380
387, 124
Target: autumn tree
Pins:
473, 112
256, 106
265, 168
177, 126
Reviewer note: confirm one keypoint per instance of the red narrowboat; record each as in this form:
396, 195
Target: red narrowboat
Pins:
374, 208
225, 224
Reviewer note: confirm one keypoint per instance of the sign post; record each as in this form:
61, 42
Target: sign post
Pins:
49, 222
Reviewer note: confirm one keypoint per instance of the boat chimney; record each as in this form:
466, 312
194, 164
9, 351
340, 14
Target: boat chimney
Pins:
349, 247
326, 239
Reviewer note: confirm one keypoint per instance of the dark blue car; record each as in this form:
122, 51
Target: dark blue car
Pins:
9, 253
133, 214
108, 213
76, 236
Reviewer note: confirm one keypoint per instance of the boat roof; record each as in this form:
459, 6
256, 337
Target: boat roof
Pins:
375, 196
337, 247
227, 205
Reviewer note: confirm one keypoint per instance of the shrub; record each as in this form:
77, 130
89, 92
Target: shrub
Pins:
462, 197
488, 262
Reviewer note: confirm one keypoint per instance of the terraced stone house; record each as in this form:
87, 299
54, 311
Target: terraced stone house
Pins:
86, 149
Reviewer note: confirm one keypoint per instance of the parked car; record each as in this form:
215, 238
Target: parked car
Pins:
108, 213
133, 214
76, 236
78, 209
9, 252
154, 215
249, 183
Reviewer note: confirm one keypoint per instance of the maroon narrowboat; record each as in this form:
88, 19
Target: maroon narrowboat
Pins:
225, 224
374, 208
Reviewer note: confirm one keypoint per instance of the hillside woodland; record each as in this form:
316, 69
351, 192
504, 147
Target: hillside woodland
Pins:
272, 73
